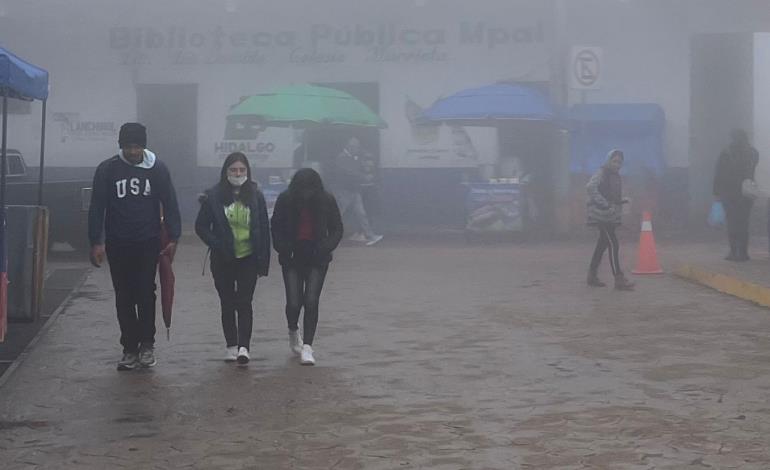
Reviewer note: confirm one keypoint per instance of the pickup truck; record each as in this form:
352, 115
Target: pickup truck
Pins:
67, 201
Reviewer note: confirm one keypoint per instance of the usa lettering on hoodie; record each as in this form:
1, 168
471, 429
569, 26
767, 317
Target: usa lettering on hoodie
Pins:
126, 201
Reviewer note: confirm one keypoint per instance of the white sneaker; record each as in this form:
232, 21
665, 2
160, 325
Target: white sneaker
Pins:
295, 342
243, 356
307, 358
373, 240
357, 237
231, 353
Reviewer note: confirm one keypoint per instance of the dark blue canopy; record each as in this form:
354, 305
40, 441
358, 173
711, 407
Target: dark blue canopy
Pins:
484, 105
22, 79
636, 129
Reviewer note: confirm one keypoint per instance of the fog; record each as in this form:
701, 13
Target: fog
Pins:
539, 238
181, 65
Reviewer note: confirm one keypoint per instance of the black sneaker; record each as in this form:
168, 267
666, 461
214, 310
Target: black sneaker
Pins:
128, 362
147, 356
594, 281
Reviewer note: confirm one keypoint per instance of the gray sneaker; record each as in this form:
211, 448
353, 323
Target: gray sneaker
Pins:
128, 362
147, 356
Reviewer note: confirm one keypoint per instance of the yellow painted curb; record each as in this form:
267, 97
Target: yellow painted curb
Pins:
729, 285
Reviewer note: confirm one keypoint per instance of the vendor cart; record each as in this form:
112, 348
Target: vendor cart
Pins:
493, 208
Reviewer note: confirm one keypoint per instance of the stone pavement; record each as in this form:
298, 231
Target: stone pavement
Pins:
433, 355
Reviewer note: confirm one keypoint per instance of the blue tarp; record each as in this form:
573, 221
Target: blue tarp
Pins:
484, 105
22, 79
637, 129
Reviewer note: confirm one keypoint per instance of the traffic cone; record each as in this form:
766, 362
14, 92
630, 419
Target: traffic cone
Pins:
647, 262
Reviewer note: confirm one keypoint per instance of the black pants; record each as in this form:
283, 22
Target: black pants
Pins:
303, 288
738, 214
133, 267
235, 282
607, 239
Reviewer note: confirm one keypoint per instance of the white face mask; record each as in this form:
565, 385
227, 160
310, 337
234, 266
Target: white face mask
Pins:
237, 180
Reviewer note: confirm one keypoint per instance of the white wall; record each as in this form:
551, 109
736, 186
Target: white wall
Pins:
97, 51
645, 60
761, 133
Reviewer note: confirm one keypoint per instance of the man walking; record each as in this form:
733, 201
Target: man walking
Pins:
349, 178
736, 164
130, 192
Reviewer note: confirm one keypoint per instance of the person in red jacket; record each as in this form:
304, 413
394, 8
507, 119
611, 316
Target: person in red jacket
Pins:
306, 228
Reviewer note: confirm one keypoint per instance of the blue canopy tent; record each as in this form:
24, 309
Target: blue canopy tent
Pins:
486, 105
637, 129
24, 81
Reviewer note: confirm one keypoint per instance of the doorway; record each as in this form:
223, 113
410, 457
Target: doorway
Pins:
170, 113
721, 99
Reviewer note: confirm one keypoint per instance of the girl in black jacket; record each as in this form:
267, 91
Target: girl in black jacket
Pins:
306, 228
233, 222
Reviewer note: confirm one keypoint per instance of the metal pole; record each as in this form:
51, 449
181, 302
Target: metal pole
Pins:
3, 161
42, 157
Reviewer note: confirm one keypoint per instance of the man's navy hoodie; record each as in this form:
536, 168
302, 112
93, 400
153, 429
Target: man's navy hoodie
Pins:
126, 202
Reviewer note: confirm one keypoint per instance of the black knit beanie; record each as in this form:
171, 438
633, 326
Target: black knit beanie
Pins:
132, 133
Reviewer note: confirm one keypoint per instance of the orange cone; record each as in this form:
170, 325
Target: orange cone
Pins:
647, 262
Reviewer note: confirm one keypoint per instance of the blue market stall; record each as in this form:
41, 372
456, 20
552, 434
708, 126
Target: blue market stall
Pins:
23, 81
498, 201
638, 130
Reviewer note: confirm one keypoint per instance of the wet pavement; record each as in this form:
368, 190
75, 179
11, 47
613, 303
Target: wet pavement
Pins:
432, 355
63, 274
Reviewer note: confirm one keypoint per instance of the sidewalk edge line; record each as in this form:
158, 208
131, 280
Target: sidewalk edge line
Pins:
43, 329
730, 285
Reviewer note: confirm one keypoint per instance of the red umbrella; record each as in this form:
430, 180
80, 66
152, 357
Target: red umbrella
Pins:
167, 279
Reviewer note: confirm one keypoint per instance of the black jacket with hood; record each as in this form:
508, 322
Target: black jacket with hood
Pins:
736, 164
348, 172
213, 228
327, 228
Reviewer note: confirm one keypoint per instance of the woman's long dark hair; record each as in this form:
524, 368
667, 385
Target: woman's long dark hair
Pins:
246, 193
306, 187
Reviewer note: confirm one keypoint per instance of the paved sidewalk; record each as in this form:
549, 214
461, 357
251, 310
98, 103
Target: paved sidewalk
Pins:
703, 264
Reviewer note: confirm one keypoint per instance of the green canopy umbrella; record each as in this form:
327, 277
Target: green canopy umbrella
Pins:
304, 106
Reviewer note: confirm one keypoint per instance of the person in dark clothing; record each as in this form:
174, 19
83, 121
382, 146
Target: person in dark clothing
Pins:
605, 204
736, 164
370, 194
350, 176
233, 223
124, 221
306, 228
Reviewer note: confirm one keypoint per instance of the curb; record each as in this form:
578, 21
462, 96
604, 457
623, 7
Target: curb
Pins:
734, 286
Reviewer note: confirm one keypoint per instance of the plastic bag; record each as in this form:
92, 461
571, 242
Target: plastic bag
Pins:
717, 214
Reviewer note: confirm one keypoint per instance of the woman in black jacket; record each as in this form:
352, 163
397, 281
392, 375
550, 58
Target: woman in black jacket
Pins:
233, 222
306, 227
